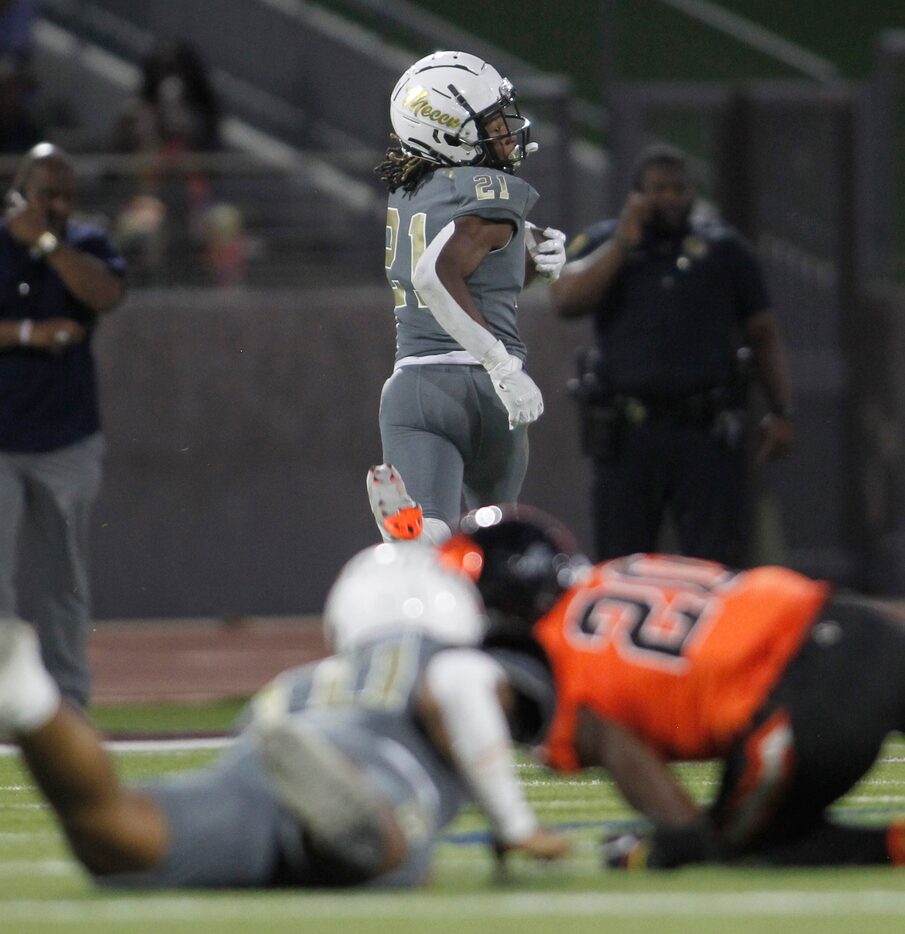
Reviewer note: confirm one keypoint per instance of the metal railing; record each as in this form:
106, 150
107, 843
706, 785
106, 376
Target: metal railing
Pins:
224, 219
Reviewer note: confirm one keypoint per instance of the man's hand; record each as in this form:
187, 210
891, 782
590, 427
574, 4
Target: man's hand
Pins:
777, 433
547, 249
517, 391
665, 847
626, 851
26, 222
635, 214
543, 844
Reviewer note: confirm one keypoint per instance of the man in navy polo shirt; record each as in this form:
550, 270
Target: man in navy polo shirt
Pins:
56, 278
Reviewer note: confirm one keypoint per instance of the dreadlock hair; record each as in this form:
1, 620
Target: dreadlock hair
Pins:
401, 169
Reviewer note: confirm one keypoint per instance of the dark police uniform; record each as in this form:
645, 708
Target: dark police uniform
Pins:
662, 391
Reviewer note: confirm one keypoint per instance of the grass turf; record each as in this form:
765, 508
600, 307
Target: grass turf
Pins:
146, 718
42, 888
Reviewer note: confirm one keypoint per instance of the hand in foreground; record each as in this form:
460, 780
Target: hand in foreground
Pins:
626, 851
665, 847
543, 844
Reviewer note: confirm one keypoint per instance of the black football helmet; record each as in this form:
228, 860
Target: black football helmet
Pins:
521, 559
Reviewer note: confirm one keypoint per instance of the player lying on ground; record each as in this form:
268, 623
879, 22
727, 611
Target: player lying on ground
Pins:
345, 770
660, 658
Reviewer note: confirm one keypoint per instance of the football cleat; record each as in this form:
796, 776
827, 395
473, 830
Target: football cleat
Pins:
397, 515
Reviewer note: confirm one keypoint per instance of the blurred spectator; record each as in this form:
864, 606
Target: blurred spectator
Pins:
225, 244
174, 115
19, 128
140, 231
28, 113
17, 19
176, 109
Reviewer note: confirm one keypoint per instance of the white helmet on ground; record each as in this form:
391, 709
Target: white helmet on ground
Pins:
396, 587
439, 107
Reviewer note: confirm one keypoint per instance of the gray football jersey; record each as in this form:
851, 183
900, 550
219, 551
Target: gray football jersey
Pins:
415, 218
371, 690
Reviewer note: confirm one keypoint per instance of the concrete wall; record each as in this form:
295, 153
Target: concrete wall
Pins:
240, 427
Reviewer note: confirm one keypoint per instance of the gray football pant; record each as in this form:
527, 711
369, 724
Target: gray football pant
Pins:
51, 495
227, 828
445, 430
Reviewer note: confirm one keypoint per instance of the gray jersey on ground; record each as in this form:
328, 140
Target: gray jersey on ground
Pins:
415, 218
373, 690
227, 826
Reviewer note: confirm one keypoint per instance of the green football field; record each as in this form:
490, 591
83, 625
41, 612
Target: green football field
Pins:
42, 889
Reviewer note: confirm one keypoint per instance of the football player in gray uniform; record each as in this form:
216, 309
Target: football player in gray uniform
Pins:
344, 770
454, 414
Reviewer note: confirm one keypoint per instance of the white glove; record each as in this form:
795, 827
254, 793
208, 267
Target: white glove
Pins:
547, 248
517, 391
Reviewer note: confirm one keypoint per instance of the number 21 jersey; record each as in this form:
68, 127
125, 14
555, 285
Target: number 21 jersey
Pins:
415, 218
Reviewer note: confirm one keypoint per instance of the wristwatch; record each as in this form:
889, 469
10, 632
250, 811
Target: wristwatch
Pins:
45, 244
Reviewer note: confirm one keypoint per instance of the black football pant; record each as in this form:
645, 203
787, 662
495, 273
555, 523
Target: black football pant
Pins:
817, 735
641, 473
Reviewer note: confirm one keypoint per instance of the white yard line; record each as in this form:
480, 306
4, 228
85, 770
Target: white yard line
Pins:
151, 745
29, 868
529, 905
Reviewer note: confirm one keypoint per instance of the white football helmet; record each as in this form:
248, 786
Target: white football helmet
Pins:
397, 587
440, 105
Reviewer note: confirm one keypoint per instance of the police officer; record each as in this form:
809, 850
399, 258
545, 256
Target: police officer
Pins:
676, 301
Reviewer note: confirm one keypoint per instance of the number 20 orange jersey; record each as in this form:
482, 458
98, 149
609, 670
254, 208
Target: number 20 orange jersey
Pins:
681, 652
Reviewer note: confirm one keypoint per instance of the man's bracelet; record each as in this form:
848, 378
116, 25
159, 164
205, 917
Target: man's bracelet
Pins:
26, 326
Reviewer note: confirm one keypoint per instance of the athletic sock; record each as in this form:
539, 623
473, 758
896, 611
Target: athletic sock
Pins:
29, 696
895, 842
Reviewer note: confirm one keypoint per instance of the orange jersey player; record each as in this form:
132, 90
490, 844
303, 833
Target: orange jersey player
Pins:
658, 658
682, 652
